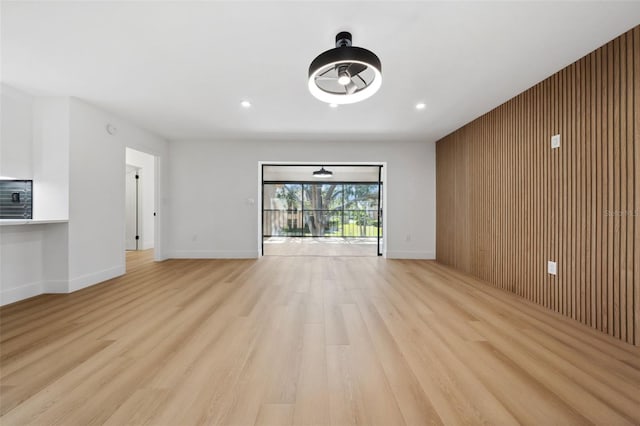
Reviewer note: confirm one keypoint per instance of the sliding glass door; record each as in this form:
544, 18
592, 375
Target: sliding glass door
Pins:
323, 209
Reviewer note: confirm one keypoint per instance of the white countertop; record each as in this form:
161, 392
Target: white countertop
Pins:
13, 222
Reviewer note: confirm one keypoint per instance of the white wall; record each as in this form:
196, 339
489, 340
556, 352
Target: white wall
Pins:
77, 168
51, 158
15, 133
145, 164
213, 181
34, 144
33, 258
21, 250
55, 257
20, 247
97, 210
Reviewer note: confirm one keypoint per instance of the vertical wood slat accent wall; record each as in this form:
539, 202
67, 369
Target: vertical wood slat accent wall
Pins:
507, 203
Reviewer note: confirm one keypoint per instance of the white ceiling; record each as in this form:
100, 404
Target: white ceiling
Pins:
180, 69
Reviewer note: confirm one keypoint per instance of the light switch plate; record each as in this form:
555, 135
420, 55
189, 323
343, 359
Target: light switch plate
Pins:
552, 268
555, 141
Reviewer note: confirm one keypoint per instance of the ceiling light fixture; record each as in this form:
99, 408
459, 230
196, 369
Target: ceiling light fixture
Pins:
344, 78
322, 173
345, 74
421, 105
245, 104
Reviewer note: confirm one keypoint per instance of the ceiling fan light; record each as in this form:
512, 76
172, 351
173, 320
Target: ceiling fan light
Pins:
358, 96
344, 79
340, 61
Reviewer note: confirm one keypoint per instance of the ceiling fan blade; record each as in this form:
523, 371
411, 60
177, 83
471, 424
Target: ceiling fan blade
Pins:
325, 78
355, 69
327, 72
350, 87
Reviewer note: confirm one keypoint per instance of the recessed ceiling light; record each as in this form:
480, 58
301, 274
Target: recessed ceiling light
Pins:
333, 105
421, 105
245, 104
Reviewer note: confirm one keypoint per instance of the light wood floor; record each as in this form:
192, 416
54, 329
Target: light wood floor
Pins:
324, 246
138, 258
306, 340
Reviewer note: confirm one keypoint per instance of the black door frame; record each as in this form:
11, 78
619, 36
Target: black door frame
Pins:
316, 181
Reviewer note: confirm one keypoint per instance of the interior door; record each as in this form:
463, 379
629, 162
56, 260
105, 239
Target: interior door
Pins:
131, 207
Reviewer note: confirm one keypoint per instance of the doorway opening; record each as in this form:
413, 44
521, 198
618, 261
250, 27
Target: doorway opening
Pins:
322, 209
140, 194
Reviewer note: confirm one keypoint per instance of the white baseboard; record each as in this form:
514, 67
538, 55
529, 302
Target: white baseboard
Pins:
146, 245
88, 280
19, 293
58, 286
409, 254
213, 254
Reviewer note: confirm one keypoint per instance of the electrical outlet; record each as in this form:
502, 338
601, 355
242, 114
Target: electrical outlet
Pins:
552, 268
555, 141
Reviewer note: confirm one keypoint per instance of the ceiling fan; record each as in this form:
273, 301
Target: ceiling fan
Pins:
345, 74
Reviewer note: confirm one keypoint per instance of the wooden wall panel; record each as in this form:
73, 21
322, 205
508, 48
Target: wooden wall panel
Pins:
507, 203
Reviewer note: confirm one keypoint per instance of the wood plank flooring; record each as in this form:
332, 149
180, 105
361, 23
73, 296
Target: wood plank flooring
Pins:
306, 341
